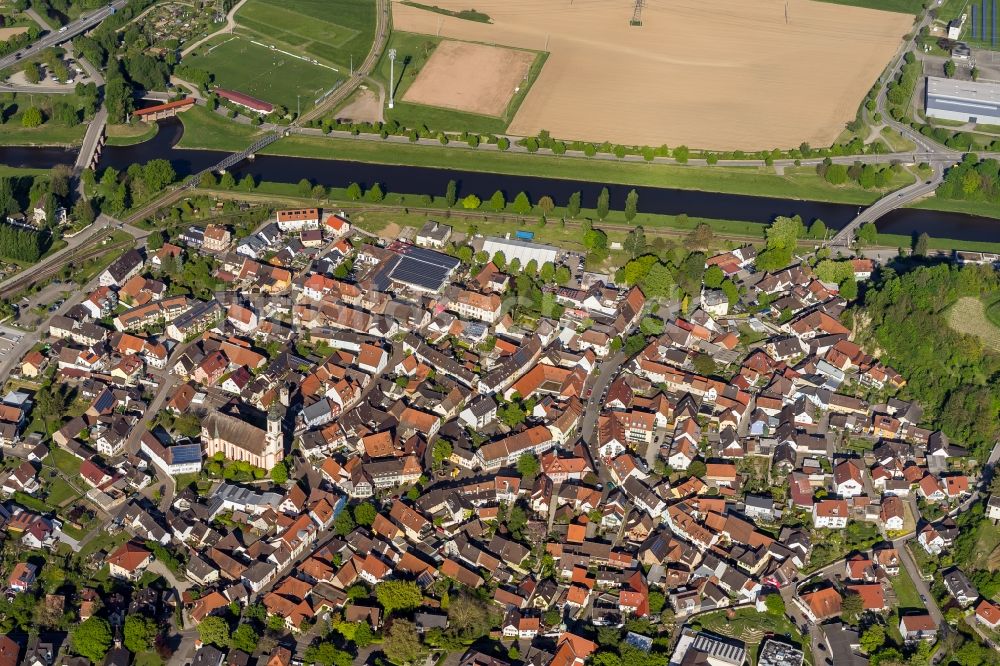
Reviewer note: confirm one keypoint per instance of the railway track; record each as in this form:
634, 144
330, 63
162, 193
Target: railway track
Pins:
79, 255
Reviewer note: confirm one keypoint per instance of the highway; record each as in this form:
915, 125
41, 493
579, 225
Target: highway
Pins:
67, 32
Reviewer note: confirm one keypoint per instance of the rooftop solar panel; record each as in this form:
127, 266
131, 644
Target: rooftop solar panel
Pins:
185, 453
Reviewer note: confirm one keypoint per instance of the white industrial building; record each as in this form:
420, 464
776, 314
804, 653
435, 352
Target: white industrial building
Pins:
521, 250
963, 101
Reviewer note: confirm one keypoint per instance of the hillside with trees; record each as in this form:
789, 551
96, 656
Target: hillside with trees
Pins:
949, 373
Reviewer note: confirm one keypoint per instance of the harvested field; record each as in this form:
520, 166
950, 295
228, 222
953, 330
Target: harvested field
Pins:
725, 75
470, 77
7, 33
968, 315
363, 107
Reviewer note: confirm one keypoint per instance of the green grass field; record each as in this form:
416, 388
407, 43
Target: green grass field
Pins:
313, 27
801, 183
901, 6
980, 208
907, 595
129, 135
412, 53
206, 129
239, 64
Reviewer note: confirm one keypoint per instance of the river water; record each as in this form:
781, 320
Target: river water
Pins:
422, 180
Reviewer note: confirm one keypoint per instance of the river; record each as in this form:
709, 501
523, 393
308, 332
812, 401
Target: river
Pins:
422, 180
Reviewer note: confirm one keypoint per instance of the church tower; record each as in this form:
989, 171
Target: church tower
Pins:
274, 442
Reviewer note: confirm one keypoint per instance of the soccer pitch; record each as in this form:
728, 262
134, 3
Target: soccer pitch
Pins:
272, 75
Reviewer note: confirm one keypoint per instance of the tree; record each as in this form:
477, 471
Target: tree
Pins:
921, 244
522, 204
32, 117
319, 192
651, 325
851, 607
83, 211
304, 187
631, 205
528, 465
949, 68
247, 183
497, 202
573, 206
343, 524
441, 451
713, 277
139, 633
659, 281
279, 473
451, 193
872, 638
704, 365
244, 638
546, 204
32, 74
92, 638
849, 288
469, 616
775, 605
817, 230
402, 644
354, 192
364, 514
215, 630
635, 242
836, 174
603, 203
326, 654
228, 181
868, 234
375, 194
681, 154
656, 601
563, 275
697, 468
398, 595
471, 202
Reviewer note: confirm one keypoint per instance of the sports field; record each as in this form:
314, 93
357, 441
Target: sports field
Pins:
327, 30
471, 77
724, 75
240, 64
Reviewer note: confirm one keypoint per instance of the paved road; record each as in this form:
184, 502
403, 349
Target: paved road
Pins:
67, 32
91, 140
598, 383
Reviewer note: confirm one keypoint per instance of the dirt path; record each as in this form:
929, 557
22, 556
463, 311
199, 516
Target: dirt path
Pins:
230, 25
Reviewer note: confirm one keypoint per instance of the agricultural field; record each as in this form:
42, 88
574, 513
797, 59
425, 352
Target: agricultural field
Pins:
238, 63
696, 74
312, 28
973, 317
902, 6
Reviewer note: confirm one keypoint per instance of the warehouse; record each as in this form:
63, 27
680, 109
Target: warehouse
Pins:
523, 251
963, 101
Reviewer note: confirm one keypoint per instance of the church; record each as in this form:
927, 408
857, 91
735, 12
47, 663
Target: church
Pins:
240, 440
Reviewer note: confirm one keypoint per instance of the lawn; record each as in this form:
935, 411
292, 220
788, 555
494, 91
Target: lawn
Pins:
412, 52
907, 596
51, 133
131, 134
897, 142
901, 6
983, 556
979, 208
204, 128
968, 315
240, 64
751, 626
65, 461
60, 492
328, 33
796, 183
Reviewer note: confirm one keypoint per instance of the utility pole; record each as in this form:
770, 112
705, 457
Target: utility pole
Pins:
392, 77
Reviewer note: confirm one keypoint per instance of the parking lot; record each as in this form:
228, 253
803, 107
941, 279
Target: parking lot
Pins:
8, 338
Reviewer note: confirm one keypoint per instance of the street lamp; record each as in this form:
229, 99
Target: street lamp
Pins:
392, 77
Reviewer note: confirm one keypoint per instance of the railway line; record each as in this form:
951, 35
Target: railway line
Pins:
77, 256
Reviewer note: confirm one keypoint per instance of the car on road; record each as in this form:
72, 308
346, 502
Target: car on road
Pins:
923, 598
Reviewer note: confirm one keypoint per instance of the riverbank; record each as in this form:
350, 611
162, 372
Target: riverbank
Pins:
800, 183
978, 208
131, 135
396, 211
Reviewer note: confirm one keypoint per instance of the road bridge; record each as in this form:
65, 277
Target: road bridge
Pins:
63, 34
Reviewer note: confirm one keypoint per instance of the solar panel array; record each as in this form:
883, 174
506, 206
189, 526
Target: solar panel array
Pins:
185, 453
424, 268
